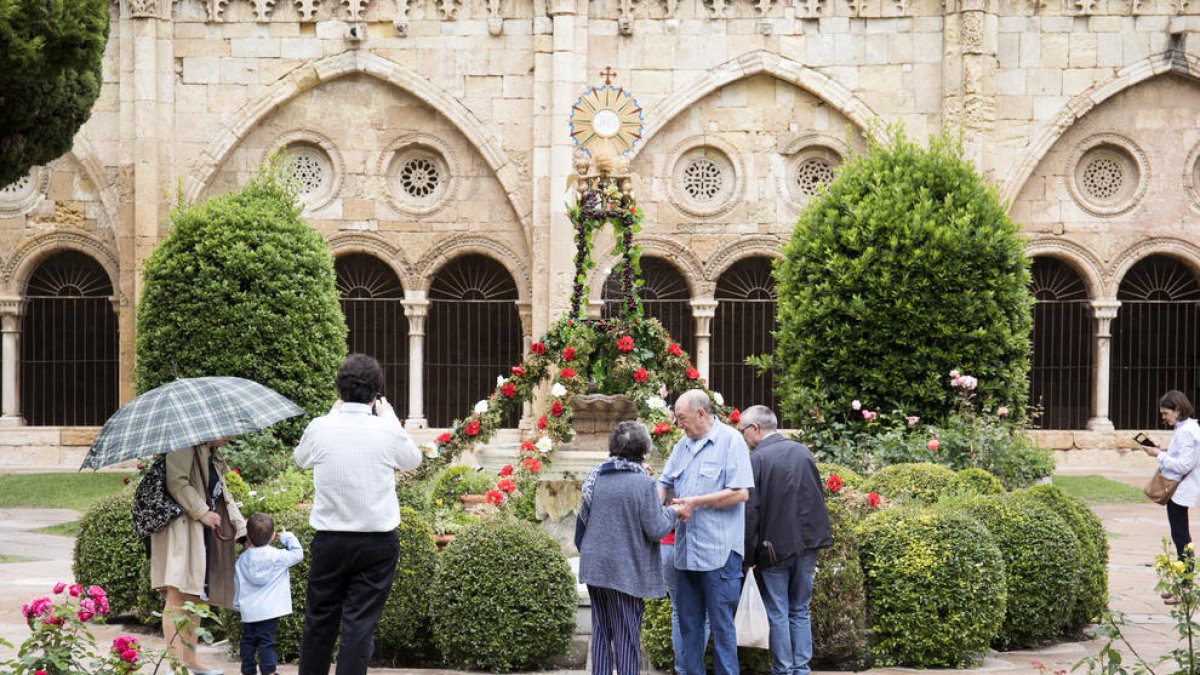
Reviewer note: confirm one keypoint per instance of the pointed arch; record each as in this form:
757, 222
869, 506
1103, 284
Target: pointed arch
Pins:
315, 73
1170, 61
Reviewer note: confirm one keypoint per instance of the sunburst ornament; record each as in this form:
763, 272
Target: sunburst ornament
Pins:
606, 118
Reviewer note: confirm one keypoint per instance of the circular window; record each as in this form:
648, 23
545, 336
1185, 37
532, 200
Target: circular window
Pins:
419, 178
1191, 176
813, 173
312, 171
1108, 177
23, 194
418, 175
704, 181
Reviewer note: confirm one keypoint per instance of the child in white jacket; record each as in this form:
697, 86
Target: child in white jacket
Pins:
263, 590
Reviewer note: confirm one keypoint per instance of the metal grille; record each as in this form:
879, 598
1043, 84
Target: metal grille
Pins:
474, 334
372, 302
1155, 340
1060, 381
742, 327
69, 345
665, 296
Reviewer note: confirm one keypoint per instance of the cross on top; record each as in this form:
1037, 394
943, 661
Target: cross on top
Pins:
608, 74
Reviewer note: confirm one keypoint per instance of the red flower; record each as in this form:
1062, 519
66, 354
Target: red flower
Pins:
509, 389
542, 422
444, 438
75, 590
568, 353
873, 499
625, 343
507, 486
472, 428
538, 348
528, 446
506, 471
567, 373
126, 480
641, 375
532, 464
662, 428
518, 371
834, 483
39, 672
633, 209
933, 444
692, 373
675, 349
556, 408
129, 656
84, 615
494, 497
735, 416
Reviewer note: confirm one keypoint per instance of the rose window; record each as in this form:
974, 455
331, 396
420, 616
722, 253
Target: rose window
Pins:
1107, 175
419, 177
703, 180
812, 173
1103, 178
311, 171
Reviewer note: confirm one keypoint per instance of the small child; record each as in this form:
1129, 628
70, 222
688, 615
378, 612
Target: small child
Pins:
263, 590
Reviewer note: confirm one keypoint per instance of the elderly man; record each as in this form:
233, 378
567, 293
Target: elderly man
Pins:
786, 524
710, 477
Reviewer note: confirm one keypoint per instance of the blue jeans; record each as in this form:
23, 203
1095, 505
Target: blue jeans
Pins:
668, 567
786, 591
716, 594
258, 637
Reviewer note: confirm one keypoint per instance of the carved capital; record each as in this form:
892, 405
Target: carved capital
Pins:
1105, 309
703, 311
416, 311
11, 309
525, 311
142, 9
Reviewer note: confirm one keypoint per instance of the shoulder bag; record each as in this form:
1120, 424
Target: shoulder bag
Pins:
153, 507
1160, 488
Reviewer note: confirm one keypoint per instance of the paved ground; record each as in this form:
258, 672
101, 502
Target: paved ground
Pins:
1135, 533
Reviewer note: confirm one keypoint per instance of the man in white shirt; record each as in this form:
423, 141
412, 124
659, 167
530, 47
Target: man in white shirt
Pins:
354, 452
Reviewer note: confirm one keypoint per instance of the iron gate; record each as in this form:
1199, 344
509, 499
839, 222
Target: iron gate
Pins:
1060, 380
743, 326
665, 296
372, 299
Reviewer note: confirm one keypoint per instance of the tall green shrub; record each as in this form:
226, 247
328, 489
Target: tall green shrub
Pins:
904, 268
242, 286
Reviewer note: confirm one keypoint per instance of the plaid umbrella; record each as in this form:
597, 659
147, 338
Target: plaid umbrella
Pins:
186, 412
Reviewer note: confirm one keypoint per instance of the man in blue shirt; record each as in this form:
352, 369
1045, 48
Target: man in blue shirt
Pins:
710, 477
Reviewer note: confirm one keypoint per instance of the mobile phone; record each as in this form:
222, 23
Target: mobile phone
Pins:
1143, 439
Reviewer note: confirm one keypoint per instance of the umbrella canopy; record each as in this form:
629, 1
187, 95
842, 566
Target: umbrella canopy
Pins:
187, 412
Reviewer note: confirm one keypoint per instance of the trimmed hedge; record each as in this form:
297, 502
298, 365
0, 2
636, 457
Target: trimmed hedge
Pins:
1040, 558
656, 634
924, 482
109, 555
505, 598
1092, 572
838, 611
935, 586
978, 481
403, 636
850, 478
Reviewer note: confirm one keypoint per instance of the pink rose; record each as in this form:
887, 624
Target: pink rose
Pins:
84, 615
59, 587
933, 444
1002, 411
88, 605
954, 374
869, 415
129, 656
75, 590
912, 420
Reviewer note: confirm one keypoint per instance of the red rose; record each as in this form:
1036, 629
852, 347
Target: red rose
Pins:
532, 464
625, 343
567, 373
933, 444
507, 486
528, 446
873, 499
641, 375
444, 438
556, 408
518, 371
126, 480
494, 497
568, 353
834, 483
542, 422
236, 472
662, 428
692, 373
509, 390
506, 471
538, 348
735, 416
472, 428
674, 349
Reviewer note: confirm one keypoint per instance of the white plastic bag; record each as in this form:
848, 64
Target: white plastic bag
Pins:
750, 622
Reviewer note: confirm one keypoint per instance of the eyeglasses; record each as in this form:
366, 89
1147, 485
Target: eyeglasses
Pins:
747, 428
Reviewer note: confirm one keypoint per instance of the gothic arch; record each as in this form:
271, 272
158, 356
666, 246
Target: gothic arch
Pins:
84, 153
748, 247
316, 73
656, 247
453, 247
31, 252
1078, 258
1185, 252
1170, 61
749, 65
361, 242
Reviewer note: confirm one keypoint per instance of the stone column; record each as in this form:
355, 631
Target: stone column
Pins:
1103, 311
969, 71
568, 64
416, 307
525, 310
703, 311
10, 368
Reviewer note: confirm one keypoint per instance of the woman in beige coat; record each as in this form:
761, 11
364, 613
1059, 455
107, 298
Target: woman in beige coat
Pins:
188, 550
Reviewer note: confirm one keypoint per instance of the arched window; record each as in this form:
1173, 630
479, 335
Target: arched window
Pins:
373, 303
69, 345
474, 334
665, 296
743, 327
1155, 340
1060, 381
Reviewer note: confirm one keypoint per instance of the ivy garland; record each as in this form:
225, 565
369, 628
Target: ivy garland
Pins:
629, 355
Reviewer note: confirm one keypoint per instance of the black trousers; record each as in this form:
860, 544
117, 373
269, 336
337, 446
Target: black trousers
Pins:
348, 583
1181, 535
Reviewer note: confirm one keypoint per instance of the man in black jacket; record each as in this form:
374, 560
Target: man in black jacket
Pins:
786, 524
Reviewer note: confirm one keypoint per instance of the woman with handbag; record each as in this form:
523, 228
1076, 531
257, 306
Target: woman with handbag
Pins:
1177, 463
192, 558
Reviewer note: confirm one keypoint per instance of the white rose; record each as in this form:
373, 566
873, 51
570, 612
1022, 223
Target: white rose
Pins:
718, 398
558, 390
656, 403
431, 451
501, 380
481, 407
252, 493
544, 444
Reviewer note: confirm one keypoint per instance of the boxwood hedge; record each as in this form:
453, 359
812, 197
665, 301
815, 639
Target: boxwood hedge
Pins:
1092, 572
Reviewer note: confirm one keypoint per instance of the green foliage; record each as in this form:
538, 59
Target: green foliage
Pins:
76, 490
925, 483
403, 636
839, 607
656, 634
242, 286
257, 456
524, 504
904, 268
505, 598
275, 495
935, 586
109, 555
1092, 571
455, 481
50, 76
1041, 556
977, 481
850, 478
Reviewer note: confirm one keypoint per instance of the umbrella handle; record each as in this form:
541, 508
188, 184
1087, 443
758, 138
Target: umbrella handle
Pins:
221, 535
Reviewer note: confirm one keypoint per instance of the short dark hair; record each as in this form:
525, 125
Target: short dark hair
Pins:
1178, 401
259, 528
359, 379
630, 440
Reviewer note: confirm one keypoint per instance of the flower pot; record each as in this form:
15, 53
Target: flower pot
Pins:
442, 540
471, 500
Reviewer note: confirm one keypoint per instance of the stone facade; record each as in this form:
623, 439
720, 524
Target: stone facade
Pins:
432, 128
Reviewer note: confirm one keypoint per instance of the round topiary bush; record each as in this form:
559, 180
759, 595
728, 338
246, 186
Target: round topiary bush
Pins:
1092, 572
923, 482
109, 555
903, 231
838, 611
242, 286
505, 598
403, 636
978, 481
1040, 560
935, 586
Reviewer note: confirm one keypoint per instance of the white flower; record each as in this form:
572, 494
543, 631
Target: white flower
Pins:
656, 403
545, 444
501, 380
431, 451
481, 407
252, 493
718, 398
856, 404
558, 390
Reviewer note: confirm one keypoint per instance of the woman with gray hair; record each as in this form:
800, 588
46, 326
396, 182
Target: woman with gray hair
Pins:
620, 523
